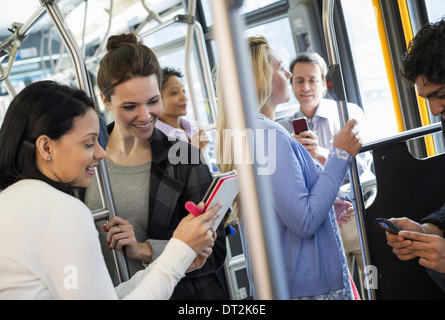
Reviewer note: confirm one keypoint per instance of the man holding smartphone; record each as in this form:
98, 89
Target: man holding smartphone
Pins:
423, 66
309, 87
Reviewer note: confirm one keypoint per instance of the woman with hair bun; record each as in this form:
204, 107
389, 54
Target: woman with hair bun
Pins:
150, 186
302, 192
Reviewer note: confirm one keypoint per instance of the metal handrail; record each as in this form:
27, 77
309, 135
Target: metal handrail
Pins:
240, 96
188, 52
20, 33
402, 137
107, 33
336, 88
194, 31
12, 45
207, 74
84, 84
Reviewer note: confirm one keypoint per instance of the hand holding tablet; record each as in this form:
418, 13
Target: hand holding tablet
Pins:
224, 190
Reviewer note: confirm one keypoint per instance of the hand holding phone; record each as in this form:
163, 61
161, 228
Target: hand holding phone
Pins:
224, 190
300, 125
387, 225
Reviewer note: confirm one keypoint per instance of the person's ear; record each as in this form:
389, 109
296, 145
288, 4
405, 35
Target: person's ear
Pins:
105, 101
44, 148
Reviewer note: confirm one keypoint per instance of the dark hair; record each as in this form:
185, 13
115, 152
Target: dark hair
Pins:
426, 55
126, 58
167, 73
42, 108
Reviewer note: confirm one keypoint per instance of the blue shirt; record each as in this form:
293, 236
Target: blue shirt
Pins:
303, 195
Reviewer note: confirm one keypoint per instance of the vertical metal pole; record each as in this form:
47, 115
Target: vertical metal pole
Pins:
84, 84
241, 105
188, 52
336, 88
206, 72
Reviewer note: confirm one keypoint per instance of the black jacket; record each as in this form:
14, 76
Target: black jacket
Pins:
178, 175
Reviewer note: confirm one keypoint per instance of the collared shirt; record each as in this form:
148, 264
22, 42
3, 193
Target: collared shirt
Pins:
184, 134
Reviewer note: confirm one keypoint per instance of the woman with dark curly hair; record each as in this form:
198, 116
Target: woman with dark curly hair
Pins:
172, 118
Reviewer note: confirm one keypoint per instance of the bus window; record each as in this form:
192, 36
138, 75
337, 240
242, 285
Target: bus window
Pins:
248, 6
168, 44
369, 63
176, 59
435, 9
279, 35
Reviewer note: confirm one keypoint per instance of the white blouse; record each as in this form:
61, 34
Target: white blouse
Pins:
50, 250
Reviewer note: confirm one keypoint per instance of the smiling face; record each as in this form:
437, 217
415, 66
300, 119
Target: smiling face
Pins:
73, 157
136, 105
174, 98
308, 86
435, 94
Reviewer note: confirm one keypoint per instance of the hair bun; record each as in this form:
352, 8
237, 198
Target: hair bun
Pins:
115, 42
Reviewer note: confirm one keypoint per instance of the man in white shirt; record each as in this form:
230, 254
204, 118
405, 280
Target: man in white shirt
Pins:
309, 86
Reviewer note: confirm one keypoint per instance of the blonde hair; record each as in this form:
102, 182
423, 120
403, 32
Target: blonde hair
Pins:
262, 68
263, 72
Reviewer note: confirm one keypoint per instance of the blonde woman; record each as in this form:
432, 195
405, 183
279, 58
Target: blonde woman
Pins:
302, 191
150, 183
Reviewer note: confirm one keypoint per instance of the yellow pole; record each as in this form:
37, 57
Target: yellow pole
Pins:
423, 110
388, 64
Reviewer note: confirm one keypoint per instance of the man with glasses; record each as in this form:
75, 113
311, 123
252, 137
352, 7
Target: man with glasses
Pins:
423, 67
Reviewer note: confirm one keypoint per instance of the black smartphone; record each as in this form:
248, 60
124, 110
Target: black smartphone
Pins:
300, 125
387, 225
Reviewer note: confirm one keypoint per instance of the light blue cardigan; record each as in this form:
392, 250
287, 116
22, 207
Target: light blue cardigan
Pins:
303, 195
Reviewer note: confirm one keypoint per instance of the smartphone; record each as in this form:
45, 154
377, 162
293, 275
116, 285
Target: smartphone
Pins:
387, 225
300, 125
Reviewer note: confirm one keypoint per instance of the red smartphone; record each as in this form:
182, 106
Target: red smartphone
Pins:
300, 125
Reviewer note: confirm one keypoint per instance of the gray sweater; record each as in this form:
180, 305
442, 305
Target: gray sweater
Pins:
130, 193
